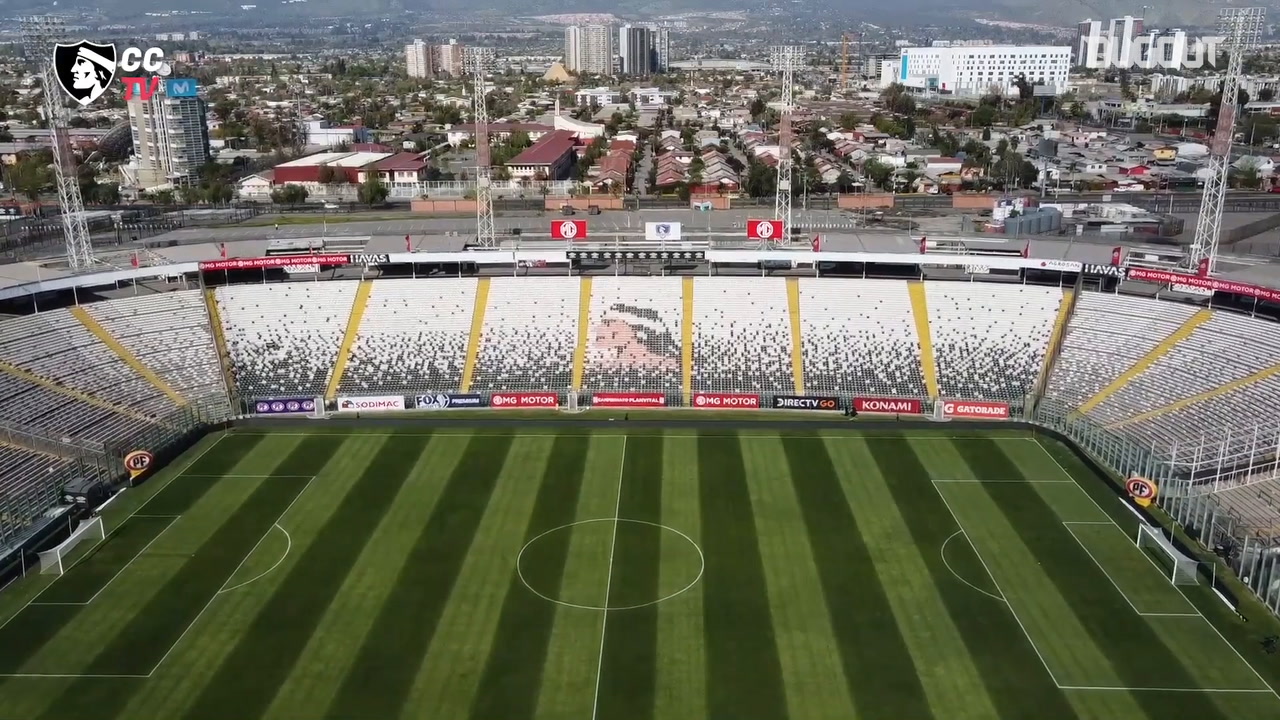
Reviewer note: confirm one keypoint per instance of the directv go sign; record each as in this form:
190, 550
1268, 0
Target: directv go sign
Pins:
86, 69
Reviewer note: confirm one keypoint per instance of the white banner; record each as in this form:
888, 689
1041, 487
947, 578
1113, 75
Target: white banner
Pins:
302, 269
662, 231
371, 403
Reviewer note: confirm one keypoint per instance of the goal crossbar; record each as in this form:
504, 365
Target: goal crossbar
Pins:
51, 560
1182, 570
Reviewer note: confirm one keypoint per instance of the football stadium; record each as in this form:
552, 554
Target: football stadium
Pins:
677, 485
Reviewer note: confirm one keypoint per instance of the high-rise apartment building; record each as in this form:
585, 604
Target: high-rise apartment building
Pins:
417, 59
589, 49
662, 50
635, 47
449, 59
170, 139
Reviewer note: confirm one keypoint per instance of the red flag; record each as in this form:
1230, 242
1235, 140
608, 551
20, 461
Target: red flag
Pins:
1203, 268
134, 260
1115, 256
817, 243
923, 245
408, 246
222, 250
1026, 250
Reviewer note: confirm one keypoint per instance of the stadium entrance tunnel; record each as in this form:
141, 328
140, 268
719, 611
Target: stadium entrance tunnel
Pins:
581, 564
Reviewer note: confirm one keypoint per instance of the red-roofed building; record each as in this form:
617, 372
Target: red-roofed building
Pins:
551, 158
405, 167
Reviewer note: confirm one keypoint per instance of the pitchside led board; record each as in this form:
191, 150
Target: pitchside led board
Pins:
1142, 490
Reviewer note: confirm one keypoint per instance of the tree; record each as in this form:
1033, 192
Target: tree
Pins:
31, 176
289, 194
107, 194
326, 174
984, 116
1266, 94
372, 191
162, 197
986, 134
757, 109
1247, 173
879, 173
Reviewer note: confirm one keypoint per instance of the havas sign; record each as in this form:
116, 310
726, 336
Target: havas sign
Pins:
85, 69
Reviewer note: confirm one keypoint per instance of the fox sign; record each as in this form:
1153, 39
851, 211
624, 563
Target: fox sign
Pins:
764, 229
568, 229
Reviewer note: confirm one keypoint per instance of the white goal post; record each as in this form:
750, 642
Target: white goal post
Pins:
51, 561
1182, 569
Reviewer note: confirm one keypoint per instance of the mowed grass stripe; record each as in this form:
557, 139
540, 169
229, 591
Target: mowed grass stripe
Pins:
99, 565
251, 674
998, 653
379, 681
449, 677
808, 644
878, 667
1137, 652
744, 673
682, 670
160, 622
630, 662
332, 649
513, 671
569, 670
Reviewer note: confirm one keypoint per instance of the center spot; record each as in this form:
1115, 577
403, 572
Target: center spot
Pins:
650, 563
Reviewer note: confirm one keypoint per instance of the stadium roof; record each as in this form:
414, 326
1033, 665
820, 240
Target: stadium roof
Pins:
337, 159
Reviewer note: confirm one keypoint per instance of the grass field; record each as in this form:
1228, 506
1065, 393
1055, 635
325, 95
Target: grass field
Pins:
579, 575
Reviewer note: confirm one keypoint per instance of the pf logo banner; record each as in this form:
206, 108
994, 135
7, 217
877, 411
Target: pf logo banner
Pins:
1142, 490
85, 69
764, 229
138, 462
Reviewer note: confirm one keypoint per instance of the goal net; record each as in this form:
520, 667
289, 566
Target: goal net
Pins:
1181, 569
51, 561
571, 404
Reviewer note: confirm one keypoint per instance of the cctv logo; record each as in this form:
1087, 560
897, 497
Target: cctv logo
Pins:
85, 69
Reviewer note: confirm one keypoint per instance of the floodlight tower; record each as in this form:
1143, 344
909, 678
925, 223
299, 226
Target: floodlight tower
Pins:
784, 59
39, 35
479, 62
1240, 29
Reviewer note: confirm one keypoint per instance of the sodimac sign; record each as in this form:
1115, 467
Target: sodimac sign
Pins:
975, 409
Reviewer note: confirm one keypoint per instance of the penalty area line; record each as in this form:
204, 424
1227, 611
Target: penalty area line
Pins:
1105, 688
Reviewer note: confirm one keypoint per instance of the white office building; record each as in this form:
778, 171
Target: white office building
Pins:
170, 141
974, 71
417, 59
589, 49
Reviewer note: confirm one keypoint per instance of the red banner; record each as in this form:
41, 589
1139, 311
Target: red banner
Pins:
726, 401
275, 261
975, 409
525, 400
568, 229
626, 399
764, 230
887, 406
1166, 277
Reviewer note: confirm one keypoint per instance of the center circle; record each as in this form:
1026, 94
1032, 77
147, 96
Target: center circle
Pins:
613, 534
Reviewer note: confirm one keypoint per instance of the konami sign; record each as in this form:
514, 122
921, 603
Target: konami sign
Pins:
975, 409
887, 406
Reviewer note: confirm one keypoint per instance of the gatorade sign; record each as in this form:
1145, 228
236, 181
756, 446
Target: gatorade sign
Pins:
764, 229
975, 409
138, 462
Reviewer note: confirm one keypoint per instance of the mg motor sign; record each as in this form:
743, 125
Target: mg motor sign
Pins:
805, 402
626, 399
726, 401
371, 403
277, 407
524, 400
764, 229
887, 406
569, 230
975, 409
275, 261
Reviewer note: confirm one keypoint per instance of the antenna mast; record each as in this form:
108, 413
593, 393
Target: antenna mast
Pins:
784, 59
480, 61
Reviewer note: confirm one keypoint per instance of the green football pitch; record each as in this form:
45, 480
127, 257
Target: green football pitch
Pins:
584, 574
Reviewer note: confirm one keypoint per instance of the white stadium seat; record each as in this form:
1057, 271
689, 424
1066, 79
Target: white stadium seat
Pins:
741, 335
529, 335
633, 342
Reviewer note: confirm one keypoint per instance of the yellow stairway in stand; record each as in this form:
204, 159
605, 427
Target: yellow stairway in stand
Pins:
793, 313
219, 340
72, 393
1055, 338
1200, 397
1148, 360
686, 342
473, 342
349, 338
95, 327
584, 326
920, 311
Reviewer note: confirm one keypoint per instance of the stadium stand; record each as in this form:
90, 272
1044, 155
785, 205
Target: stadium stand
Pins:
989, 341
1107, 335
529, 335
42, 408
283, 339
859, 337
170, 334
1198, 364
633, 338
413, 338
56, 346
741, 336
25, 487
